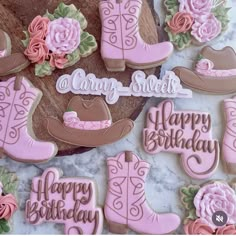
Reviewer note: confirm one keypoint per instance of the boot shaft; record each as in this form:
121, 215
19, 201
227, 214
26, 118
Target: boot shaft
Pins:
16, 105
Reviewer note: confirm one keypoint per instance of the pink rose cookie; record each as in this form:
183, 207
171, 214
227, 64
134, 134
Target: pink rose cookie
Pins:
187, 133
18, 101
68, 201
8, 202
195, 21
214, 72
58, 40
211, 208
126, 206
121, 42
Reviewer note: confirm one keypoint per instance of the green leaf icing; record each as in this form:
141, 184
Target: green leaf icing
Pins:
44, 69
181, 40
72, 58
200, 57
26, 40
221, 13
88, 44
4, 226
49, 16
172, 6
70, 11
187, 197
9, 181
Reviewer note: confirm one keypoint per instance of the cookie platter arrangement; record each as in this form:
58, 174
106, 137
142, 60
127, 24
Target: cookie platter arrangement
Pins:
75, 75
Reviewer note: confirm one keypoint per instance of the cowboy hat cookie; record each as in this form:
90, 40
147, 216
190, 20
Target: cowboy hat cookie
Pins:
126, 206
68, 201
141, 86
121, 42
88, 123
210, 208
18, 101
195, 22
8, 201
58, 40
187, 133
215, 71
10, 63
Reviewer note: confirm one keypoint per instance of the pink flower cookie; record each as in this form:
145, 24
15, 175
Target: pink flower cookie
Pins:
58, 40
211, 208
68, 201
187, 133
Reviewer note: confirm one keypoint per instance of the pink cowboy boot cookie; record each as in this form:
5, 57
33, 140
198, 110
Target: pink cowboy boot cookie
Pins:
68, 201
187, 133
122, 44
126, 205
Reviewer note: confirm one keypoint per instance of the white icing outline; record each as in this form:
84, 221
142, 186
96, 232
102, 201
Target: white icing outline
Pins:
141, 86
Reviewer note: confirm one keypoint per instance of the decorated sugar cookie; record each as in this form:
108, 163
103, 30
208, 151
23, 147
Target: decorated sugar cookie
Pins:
8, 201
187, 133
228, 144
141, 86
67, 201
88, 123
18, 101
121, 42
126, 206
10, 63
215, 71
211, 209
195, 22
58, 40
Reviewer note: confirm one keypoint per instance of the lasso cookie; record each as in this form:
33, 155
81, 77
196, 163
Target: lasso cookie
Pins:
68, 201
126, 206
18, 101
215, 71
58, 40
8, 201
211, 208
187, 133
197, 22
88, 123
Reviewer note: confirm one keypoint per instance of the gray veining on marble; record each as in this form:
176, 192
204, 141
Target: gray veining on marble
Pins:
166, 175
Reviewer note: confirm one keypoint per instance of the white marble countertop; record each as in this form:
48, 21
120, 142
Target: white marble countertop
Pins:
166, 175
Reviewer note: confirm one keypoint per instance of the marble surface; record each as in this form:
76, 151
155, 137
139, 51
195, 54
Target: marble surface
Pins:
166, 175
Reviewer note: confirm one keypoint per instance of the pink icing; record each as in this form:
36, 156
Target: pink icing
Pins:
8, 206
187, 133
58, 60
63, 35
197, 227
181, 22
37, 51
206, 67
38, 27
227, 230
125, 200
205, 29
121, 38
71, 120
196, 8
2, 53
215, 197
68, 201
15, 113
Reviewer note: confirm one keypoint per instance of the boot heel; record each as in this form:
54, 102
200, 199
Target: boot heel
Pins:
117, 228
114, 64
